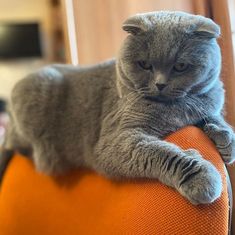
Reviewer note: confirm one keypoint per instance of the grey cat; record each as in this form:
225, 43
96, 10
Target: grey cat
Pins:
112, 117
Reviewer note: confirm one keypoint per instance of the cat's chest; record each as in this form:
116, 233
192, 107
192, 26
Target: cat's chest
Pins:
158, 119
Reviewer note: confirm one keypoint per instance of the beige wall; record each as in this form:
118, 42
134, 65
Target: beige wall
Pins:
24, 10
11, 72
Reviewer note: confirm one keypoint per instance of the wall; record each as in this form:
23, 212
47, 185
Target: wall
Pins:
11, 72
24, 10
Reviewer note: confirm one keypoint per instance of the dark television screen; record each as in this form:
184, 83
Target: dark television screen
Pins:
19, 40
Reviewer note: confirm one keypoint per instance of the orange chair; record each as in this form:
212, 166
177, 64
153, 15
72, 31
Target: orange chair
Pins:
84, 203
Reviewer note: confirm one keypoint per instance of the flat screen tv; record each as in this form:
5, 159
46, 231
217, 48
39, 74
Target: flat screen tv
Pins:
19, 40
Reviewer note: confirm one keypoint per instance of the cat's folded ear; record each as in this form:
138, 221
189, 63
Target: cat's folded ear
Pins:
208, 28
135, 25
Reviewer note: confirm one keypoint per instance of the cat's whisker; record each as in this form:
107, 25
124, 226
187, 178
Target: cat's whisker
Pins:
135, 98
194, 108
178, 93
130, 98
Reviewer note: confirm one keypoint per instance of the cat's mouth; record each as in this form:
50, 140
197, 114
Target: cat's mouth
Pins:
158, 98
164, 98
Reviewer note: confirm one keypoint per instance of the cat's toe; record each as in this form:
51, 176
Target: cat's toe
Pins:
224, 141
228, 152
221, 137
202, 185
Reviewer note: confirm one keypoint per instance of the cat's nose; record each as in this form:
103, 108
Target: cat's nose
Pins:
160, 86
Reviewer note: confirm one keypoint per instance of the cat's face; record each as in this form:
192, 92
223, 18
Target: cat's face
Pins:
168, 55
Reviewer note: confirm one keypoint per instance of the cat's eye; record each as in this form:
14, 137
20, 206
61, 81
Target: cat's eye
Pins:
145, 65
180, 67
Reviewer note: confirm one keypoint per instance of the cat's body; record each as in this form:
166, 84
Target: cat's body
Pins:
66, 93
112, 118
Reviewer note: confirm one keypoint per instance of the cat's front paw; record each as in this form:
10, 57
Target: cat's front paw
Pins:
200, 181
224, 141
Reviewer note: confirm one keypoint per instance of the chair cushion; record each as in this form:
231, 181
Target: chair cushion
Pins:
83, 202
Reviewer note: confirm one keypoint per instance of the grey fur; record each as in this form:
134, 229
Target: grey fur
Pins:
112, 117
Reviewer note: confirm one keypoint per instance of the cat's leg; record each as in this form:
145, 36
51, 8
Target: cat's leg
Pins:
134, 154
223, 136
48, 160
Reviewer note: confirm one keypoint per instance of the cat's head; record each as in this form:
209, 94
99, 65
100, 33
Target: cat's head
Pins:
168, 55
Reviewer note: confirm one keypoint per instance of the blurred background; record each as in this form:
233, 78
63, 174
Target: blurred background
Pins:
31, 36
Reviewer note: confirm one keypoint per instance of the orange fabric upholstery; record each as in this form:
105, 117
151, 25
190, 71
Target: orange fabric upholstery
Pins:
84, 203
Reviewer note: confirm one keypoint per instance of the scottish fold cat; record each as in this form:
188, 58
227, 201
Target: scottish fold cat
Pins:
112, 117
